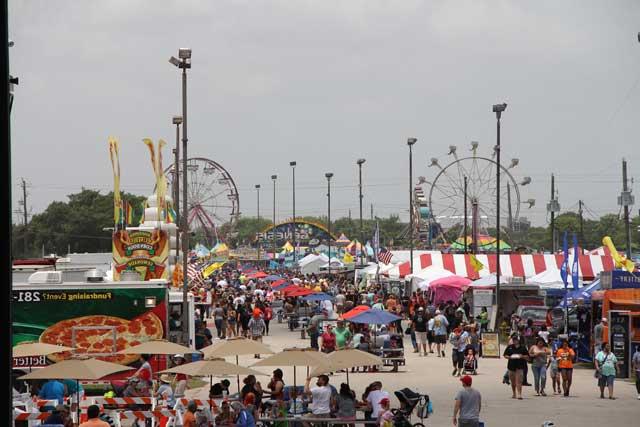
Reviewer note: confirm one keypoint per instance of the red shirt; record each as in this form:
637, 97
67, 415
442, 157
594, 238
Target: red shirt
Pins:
328, 341
268, 313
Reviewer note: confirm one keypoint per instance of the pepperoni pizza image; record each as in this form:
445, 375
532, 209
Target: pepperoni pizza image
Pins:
94, 335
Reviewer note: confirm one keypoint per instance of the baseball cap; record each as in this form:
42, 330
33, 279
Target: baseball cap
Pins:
178, 356
466, 380
420, 308
604, 319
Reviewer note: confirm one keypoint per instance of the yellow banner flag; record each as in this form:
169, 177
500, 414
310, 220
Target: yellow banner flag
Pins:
620, 260
211, 268
115, 165
348, 258
475, 263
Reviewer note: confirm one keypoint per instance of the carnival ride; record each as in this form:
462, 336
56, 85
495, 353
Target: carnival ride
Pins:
472, 178
213, 198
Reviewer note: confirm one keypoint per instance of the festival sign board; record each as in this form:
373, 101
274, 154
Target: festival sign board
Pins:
143, 251
95, 320
490, 344
307, 233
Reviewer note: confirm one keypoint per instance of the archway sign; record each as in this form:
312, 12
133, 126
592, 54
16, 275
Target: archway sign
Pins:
308, 233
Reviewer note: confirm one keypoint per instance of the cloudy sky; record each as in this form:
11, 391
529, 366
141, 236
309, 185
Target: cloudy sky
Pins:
324, 83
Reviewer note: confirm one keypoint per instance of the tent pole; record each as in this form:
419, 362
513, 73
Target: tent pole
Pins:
238, 376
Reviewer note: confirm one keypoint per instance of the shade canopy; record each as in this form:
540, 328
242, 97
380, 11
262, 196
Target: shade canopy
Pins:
299, 292
157, 347
235, 347
346, 359
214, 368
375, 317
355, 311
319, 296
294, 357
272, 277
38, 349
76, 369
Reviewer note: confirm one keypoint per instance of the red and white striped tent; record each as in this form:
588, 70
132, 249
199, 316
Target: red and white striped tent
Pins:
511, 265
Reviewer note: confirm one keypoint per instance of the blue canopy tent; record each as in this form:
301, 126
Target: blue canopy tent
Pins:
272, 278
583, 293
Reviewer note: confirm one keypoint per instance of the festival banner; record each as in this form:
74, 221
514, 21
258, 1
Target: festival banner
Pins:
143, 251
490, 344
115, 166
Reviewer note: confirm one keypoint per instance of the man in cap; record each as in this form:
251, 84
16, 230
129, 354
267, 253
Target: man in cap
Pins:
599, 335
165, 392
466, 412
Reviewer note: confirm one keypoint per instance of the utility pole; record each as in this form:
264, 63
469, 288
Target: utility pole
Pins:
23, 202
510, 218
626, 200
582, 243
371, 211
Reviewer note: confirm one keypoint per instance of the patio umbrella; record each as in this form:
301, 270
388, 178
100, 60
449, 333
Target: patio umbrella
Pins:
457, 281
272, 277
319, 296
356, 310
157, 347
375, 317
294, 357
235, 347
346, 359
76, 369
300, 292
38, 349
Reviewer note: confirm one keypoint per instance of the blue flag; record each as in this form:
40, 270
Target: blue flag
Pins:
574, 267
565, 262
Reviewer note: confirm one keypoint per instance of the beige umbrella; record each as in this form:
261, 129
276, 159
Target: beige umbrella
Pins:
76, 369
157, 347
295, 357
346, 359
235, 347
38, 349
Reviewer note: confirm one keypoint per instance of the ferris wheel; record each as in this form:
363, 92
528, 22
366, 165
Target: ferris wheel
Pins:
446, 199
212, 199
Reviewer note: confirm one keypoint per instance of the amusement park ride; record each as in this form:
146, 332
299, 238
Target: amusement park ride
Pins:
213, 197
462, 196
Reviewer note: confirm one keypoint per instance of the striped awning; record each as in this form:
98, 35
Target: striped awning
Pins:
511, 265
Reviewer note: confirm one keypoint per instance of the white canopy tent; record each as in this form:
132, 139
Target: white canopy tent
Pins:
423, 278
311, 263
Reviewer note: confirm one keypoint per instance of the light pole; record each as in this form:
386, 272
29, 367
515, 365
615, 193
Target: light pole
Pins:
258, 209
184, 63
410, 143
293, 171
360, 162
498, 109
273, 229
328, 175
177, 120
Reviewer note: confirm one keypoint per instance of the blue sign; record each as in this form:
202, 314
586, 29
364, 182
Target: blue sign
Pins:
621, 279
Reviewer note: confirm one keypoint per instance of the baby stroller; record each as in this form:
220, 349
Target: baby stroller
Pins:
470, 364
409, 400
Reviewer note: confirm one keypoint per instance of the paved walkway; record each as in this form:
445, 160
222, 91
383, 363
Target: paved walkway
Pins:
432, 375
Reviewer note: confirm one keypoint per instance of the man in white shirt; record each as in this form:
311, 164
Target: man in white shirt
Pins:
320, 398
328, 305
374, 398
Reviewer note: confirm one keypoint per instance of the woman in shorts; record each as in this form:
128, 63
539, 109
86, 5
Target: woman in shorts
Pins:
565, 355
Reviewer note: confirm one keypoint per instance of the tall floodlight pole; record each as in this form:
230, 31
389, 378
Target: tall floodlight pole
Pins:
273, 229
498, 109
410, 143
258, 213
465, 214
293, 172
360, 162
328, 175
177, 120
183, 62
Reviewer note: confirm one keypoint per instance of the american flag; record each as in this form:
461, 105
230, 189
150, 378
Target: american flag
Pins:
385, 256
194, 274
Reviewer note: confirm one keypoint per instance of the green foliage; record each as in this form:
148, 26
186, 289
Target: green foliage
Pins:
77, 225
